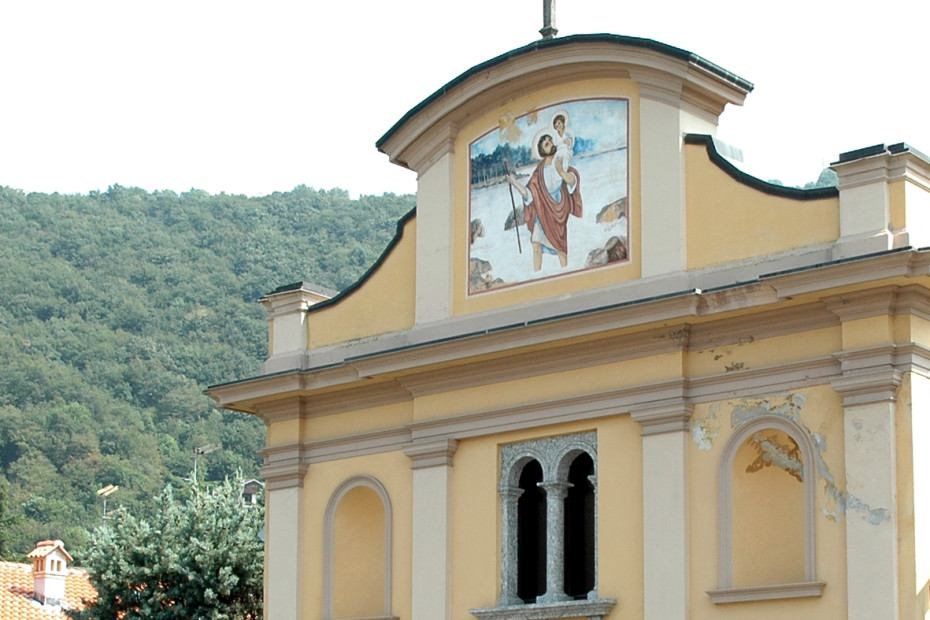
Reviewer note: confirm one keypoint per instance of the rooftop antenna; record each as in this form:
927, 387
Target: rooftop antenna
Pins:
548, 30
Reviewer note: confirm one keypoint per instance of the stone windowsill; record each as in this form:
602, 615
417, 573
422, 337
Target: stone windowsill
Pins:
592, 609
766, 593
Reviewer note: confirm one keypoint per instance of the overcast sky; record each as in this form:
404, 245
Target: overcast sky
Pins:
257, 97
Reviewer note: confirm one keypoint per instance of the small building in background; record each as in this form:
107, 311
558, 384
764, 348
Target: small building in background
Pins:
45, 589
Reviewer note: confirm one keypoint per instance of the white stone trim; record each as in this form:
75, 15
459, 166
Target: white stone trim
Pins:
329, 550
725, 505
767, 593
593, 610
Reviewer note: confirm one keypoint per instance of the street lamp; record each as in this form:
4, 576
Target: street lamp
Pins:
199, 452
105, 492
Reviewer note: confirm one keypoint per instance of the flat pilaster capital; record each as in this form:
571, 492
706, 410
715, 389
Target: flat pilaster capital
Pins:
284, 468
432, 453
665, 417
868, 376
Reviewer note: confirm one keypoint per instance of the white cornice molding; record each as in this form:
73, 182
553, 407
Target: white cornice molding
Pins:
582, 61
663, 406
863, 304
886, 167
850, 272
360, 444
398, 365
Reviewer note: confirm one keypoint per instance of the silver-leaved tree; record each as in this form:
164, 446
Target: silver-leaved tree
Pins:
196, 558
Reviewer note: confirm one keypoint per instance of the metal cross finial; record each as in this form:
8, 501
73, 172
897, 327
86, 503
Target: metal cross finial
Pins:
548, 30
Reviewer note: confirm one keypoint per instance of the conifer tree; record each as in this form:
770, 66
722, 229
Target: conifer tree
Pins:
195, 559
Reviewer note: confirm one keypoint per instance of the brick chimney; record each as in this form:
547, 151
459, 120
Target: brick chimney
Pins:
49, 569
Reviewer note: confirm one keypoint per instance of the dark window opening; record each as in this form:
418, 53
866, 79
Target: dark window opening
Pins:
531, 535
579, 529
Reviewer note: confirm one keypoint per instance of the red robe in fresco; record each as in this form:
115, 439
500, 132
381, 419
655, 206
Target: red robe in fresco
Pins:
552, 214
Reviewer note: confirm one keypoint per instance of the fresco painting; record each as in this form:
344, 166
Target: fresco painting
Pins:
549, 194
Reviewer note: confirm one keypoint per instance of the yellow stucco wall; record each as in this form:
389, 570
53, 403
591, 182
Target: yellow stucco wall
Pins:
730, 221
384, 303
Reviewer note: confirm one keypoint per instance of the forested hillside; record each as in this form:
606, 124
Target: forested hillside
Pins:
118, 308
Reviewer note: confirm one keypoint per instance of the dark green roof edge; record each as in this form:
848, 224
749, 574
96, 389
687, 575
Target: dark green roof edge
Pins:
544, 44
756, 183
371, 270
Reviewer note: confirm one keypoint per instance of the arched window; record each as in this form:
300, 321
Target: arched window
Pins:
579, 528
548, 491
531, 534
766, 513
357, 551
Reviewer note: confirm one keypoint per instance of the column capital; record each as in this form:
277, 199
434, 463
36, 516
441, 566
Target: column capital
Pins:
665, 417
432, 453
555, 489
284, 467
868, 376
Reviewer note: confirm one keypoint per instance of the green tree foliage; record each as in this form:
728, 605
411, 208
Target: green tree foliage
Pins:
197, 558
119, 308
827, 178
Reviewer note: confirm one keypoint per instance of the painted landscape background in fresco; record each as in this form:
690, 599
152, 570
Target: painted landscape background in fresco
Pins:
600, 237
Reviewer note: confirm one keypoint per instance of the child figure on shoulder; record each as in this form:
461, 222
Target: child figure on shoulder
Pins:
564, 139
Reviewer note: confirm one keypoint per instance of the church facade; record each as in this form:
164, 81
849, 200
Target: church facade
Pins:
602, 373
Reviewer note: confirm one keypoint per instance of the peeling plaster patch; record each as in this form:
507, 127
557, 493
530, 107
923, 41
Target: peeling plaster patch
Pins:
734, 366
829, 514
783, 404
704, 430
508, 128
773, 453
857, 424
875, 516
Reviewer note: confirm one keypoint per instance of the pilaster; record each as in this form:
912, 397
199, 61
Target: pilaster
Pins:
666, 445
432, 545
868, 386
284, 474
664, 247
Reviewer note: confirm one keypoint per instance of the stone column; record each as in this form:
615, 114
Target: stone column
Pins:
666, 444
868, 386
284, 478
555, 551
592, 595
510, 496
432, 542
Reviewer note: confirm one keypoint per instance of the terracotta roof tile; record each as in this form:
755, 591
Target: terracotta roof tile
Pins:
16, 591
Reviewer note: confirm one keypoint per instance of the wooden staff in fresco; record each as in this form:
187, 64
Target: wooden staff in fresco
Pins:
513, 205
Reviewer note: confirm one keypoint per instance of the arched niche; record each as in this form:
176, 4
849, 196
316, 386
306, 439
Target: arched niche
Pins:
357, 551
765, 513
